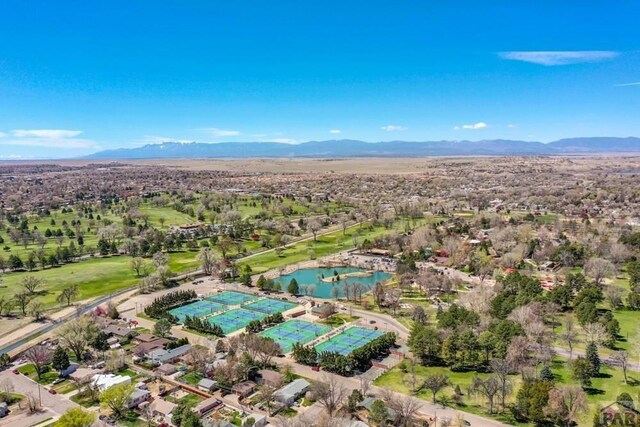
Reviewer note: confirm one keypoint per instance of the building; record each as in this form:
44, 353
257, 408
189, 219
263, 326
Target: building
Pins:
271, 378
137, 397
83, 375
207, 406
147, 347
162, 408
166, 369
207, 384
292, 391
105, 381
162, 356
244, 388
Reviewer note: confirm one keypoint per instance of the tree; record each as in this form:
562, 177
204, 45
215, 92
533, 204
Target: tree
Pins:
502, 368
593, 358
293, 287
207, 260
139, 266
599, 269
569, 335
162, 328
621, 358
379, 413
531, 399
36, 310
354, 399
330, 393
31, 284
60, 360
39, 356
116, 398
22, 300
581, 370
488, 388
566, 403
314, 225
435, 383
76, 335
76, 417
67, 294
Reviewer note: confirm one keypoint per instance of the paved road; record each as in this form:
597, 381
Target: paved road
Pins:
54, 405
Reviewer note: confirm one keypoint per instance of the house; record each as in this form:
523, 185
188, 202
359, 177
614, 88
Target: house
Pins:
292, 391
271, 378
105, 381
70, 370
207, 406
166, 369
367, 403
137, 397
147, 347
4, 409
83, 375
207, 384
162, 408
244, 388
147, 338
168, 356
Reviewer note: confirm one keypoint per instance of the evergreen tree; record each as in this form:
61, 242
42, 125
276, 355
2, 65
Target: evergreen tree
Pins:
593, 358
60, 360
293, 287
546, 374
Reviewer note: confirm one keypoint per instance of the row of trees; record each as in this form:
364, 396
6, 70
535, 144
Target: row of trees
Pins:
159, 306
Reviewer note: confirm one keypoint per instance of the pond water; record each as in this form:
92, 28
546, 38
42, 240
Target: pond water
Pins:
325, 279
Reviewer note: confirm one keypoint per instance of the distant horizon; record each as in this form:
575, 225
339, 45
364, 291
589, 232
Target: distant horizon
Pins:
289, 72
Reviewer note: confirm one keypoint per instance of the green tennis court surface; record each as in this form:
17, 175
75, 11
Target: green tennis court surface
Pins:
197, 309
235, 319
270, 306
347, 341
231, 298
293, 331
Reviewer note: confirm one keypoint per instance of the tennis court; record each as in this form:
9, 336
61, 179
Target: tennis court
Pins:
238, 318
288, 333
197, 309
231, 298
270, 306
347, 341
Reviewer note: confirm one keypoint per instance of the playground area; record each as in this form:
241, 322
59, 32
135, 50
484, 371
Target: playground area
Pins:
231, 298
238, 318
197, 309
270, 306
348, 340
295, 331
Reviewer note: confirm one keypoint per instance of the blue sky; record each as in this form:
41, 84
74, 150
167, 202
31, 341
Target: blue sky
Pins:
78, 76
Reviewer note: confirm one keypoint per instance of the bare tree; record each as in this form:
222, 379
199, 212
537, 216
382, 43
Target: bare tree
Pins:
621, 358
488, 388
596, 333
435, 383
570, 335
39, 356
314, 225
207, 260
31, 284
365, 385
68, 294
139, 266
502, 368
330, 393
405, 407
599, 269
76, 334
566, 403
22, 300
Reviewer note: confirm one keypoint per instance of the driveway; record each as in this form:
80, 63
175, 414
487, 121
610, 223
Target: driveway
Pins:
54, 405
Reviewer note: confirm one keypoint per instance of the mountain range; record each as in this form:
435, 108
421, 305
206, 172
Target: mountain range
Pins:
355, 148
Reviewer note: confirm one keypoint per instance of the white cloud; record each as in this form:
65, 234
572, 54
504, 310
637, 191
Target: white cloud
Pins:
217, 132
2, 134
393, 128
551, 58
46, 133
284, 140
154, 139
475, 126
511, 126
335, 131
56, 138
629, 84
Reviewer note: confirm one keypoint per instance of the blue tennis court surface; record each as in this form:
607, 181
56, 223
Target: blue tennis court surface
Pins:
238, 318
295, 331
197, 309
349, 340
270, 306
231, 298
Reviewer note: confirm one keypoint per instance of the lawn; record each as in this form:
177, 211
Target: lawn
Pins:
192, 378
45, 378
339, 319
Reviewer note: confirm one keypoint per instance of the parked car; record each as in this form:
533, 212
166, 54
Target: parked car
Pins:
58, 381
52, 391
315, 368
15, 371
